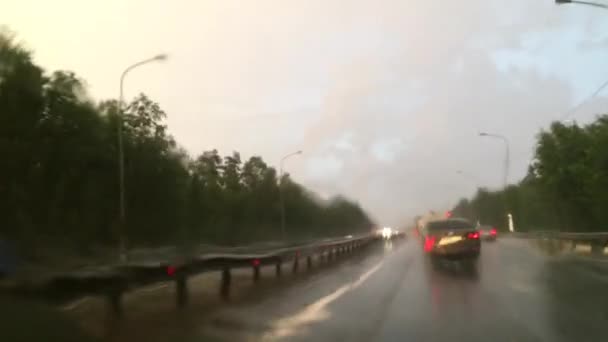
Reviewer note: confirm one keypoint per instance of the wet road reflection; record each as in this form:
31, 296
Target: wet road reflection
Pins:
517, 294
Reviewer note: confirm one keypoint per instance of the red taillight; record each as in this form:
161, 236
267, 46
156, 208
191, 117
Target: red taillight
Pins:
493, 231
171, 270
473, 235
429, 242
255, 262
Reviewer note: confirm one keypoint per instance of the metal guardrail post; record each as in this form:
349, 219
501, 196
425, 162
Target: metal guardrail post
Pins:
256, 273
295, 264
181, 291
115, 303
225, 286
278, 268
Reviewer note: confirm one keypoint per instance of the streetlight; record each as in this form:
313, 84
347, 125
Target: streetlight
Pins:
121, 157
506, 141
506, 171
589, 3
282, 203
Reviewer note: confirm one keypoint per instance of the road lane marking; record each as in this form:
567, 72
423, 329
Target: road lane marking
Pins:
314, 312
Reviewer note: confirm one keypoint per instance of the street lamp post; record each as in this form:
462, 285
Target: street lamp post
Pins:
281, 201
506, 171
121, 157
506, 141
588, 3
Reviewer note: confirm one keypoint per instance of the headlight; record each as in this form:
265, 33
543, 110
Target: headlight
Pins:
387, 232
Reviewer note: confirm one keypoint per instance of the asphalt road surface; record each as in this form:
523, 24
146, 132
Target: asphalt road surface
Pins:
517, 294
390, 293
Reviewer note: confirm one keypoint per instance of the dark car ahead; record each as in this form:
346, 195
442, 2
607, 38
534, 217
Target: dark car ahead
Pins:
488, 233
452, 239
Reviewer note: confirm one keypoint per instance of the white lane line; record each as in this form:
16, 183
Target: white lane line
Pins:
314, 312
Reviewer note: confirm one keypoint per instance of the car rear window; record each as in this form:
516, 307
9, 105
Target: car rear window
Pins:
449, 224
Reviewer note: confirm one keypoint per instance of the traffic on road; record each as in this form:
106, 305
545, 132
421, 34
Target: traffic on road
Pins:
518, 294
312, 170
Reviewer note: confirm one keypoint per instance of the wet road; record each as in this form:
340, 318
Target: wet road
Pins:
517, 294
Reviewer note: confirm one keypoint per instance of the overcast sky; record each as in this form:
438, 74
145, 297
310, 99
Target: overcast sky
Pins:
385, 97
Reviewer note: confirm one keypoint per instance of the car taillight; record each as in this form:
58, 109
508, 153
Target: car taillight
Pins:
429, 242
473, 235
493, 231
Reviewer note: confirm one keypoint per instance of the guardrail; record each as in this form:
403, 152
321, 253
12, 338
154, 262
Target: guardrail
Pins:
594, 243
112, 282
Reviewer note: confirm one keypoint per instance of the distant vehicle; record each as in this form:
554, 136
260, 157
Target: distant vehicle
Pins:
387, 233
452, 238
488, 233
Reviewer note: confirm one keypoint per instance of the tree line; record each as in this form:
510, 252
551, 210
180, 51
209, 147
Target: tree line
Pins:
59, 173
566, 187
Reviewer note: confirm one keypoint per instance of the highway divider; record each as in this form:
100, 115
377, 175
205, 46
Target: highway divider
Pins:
113, 282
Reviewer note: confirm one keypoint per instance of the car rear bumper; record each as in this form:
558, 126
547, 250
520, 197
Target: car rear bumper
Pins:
468, 253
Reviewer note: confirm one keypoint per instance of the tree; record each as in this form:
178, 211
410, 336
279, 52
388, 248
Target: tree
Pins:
59, 174
565, 188
21, 104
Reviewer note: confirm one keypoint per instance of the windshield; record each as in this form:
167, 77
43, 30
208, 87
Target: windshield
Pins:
303, 170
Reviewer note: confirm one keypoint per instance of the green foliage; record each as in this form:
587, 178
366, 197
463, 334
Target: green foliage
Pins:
59, 173
565, 189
